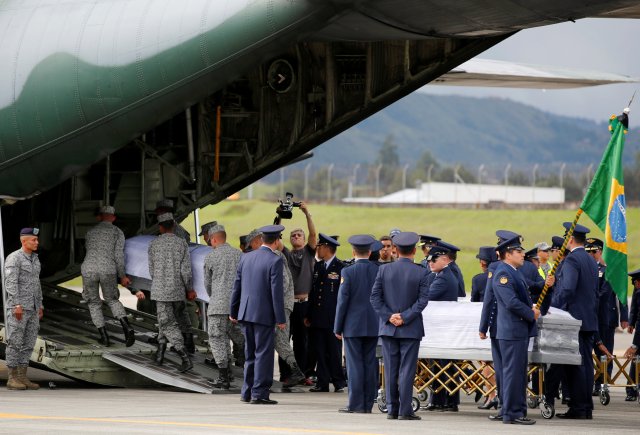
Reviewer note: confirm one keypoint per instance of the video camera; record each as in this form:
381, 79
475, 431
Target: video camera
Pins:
285, 209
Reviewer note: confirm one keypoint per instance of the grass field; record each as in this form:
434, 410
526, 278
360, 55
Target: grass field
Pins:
468, 229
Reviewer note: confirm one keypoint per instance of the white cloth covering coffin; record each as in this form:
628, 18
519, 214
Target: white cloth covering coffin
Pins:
451, 332
136, 263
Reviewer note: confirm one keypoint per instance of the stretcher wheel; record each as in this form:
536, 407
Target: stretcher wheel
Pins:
547, 410
423, 396
382, 402
415, 404
533, 402
605, 398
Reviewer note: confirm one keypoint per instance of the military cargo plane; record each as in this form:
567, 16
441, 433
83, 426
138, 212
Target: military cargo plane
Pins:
125, 102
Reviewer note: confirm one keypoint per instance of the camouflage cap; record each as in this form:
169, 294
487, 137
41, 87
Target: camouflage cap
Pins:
252, 235
164, 203
165, 217
204, 229
107, 209
217, 228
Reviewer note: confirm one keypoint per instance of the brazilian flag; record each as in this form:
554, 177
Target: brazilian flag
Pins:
604, 203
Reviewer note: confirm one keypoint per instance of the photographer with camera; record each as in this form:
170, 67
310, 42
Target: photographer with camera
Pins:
301, 260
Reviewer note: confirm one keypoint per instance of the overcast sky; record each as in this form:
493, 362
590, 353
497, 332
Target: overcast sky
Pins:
606, 45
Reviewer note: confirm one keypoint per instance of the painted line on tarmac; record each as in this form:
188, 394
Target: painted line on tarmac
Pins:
6, 416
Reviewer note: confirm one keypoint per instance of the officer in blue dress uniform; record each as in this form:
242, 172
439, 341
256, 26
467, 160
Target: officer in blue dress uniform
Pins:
323, 299
489, 320
611, 313
576, 291
257, 302
443, 287
453, 254
356, 325
634, 324
486, 255
400, 294
516, 323
535, 281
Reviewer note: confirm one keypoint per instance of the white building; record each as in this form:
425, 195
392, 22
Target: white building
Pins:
469, 194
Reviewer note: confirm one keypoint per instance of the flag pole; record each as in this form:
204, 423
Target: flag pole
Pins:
552, 272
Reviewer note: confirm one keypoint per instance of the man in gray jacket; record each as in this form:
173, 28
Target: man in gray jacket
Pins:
220, 268
170, 270
103, 266
24, 308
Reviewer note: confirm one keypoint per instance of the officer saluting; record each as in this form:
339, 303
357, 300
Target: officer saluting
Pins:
321, 316
24, 308
356, 325
399, 295
257, 302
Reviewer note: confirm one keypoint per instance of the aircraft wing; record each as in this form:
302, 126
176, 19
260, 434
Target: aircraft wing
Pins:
501, 74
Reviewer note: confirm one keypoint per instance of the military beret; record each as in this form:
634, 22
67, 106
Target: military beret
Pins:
487, 253
204, 229
323, 239
579, 229
405, 239
107, 209
512, 243
362, 241
30, 232
165, 217
271, 229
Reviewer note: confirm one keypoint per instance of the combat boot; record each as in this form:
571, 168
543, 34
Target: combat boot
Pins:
189, 345
22, 377
13, 382
186, 361
104, 337
162, 347
223, 380
129, 333
296, 376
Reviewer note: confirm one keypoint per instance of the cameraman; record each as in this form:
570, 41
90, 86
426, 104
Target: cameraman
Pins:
301, 259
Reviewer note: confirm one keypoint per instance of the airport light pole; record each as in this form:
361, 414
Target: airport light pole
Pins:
562, 166
329, 170
533, 183
281, 182
378, 169
506, 181
354, 179
306, 181
429, 173
418, 190
404, 176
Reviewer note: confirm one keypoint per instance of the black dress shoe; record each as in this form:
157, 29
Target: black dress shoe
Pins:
392, 417
346, 410
432, 407
493, 403
245, 400
496, 417
572, 415
589, 415
478, 396
523, 420
338, 390
409, 417
263, 402
630, 398
450, 408
317, 389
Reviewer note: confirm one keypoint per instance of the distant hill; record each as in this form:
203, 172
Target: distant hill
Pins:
472, 131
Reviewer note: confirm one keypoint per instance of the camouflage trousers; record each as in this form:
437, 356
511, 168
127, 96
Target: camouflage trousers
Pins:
221, 332
282, 341
91, 283
169, 327
22, 338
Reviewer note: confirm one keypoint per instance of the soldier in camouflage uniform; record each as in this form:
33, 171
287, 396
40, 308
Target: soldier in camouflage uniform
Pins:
188, 315
282, 341
204, 232
24, 309
103, 266
170, 270
220, 269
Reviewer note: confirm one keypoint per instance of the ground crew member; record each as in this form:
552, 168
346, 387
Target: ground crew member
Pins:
356, 324
170, 270
102, 267
257, 302
399, 295
220, 268
24, 308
